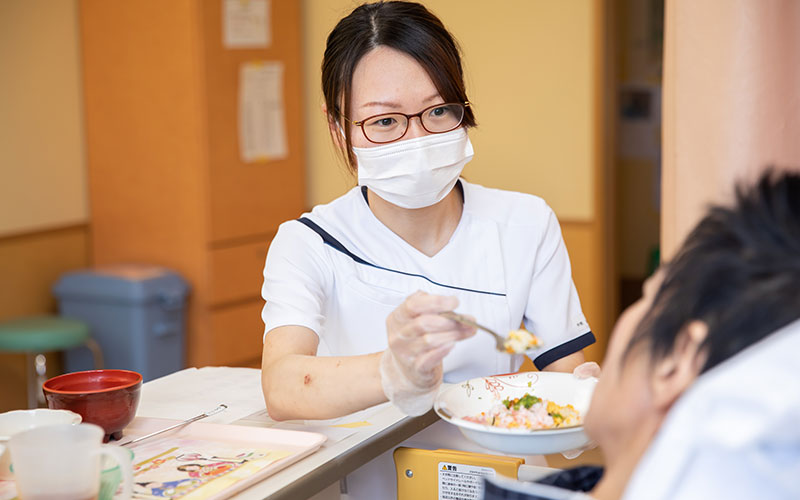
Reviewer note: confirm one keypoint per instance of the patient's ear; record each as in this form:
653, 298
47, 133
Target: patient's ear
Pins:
673, 374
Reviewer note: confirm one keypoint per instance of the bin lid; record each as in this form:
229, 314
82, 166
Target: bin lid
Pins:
129, 283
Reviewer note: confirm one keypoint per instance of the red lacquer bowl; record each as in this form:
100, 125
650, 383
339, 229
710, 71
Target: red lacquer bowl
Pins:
108, 398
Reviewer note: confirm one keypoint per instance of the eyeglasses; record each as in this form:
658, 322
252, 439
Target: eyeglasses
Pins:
389, 127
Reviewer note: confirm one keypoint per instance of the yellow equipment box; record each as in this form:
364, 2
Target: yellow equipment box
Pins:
447, 474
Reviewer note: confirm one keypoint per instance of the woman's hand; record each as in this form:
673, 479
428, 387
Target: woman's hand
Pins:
586, 370
583, 370
419, 338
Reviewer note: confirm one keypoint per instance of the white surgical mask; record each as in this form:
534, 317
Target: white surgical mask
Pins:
417, 172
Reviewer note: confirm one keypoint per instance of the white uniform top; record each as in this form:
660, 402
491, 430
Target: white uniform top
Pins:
506, 262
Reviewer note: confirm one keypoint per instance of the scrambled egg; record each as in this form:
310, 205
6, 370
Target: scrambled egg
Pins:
528, 412
563, 415
519, 341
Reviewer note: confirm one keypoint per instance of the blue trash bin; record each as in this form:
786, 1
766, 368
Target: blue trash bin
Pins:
135, 312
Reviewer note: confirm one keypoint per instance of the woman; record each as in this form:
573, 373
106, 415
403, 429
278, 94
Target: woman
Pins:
353, 289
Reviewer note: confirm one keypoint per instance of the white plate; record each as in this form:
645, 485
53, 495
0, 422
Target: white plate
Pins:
472, 397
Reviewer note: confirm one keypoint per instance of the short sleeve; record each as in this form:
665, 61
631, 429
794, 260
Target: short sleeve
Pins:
553, 312
295, 279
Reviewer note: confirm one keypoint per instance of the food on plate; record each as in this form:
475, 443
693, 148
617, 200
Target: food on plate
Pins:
528, 412
519, 341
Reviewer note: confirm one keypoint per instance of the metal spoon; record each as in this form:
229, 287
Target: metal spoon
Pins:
500, 342
216, 410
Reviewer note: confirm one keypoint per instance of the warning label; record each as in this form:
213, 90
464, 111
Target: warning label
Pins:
462, 482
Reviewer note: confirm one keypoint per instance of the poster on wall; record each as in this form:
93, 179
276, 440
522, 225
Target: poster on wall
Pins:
246, 24
262, 117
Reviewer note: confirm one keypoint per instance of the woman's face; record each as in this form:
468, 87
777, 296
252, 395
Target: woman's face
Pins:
388, 81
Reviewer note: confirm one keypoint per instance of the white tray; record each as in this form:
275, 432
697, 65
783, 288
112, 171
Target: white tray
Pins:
298, 443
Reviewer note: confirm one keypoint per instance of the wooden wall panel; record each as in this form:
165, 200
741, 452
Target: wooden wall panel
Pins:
29, 266
166, 183
31, 263
145, 131
588, 274
146, 141
252, 198
237, 333
237, 272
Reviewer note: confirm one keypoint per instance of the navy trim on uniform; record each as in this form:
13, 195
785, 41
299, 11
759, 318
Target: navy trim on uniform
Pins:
337, 245
564, 350
333, 242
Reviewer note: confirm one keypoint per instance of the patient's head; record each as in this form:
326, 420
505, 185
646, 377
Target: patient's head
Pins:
735, 280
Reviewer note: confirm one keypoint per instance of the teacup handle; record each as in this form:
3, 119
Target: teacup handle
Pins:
125, 465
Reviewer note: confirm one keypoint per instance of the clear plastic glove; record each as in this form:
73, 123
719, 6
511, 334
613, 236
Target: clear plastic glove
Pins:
582, 371
586, 370
571, 454
419, 338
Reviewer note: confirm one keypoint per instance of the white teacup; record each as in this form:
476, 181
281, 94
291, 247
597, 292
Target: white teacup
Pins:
64, 461
14, 422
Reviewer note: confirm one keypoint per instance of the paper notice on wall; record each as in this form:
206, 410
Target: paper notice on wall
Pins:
246, 24
262, 119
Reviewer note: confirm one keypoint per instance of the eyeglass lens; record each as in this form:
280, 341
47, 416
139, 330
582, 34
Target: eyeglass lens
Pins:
392, 126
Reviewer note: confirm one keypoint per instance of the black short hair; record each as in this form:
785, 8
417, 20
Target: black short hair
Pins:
407, 27
738, 272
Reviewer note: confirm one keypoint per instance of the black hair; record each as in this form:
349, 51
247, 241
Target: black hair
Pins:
407, 27
738, 272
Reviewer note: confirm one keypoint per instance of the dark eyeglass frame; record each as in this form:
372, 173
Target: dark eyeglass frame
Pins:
360, 123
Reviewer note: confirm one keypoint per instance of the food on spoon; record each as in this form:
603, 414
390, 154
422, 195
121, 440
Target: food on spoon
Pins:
528, 412
519, 341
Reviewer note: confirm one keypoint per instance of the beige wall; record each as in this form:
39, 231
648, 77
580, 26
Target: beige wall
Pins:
731, 106
530, 73
43, 200
41, 130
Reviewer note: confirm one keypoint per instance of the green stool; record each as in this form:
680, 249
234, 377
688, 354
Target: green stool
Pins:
39, 334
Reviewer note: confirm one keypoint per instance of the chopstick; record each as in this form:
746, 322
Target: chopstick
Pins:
220, 408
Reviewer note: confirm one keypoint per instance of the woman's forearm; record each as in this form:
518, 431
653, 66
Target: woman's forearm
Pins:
567, 363
298, 386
